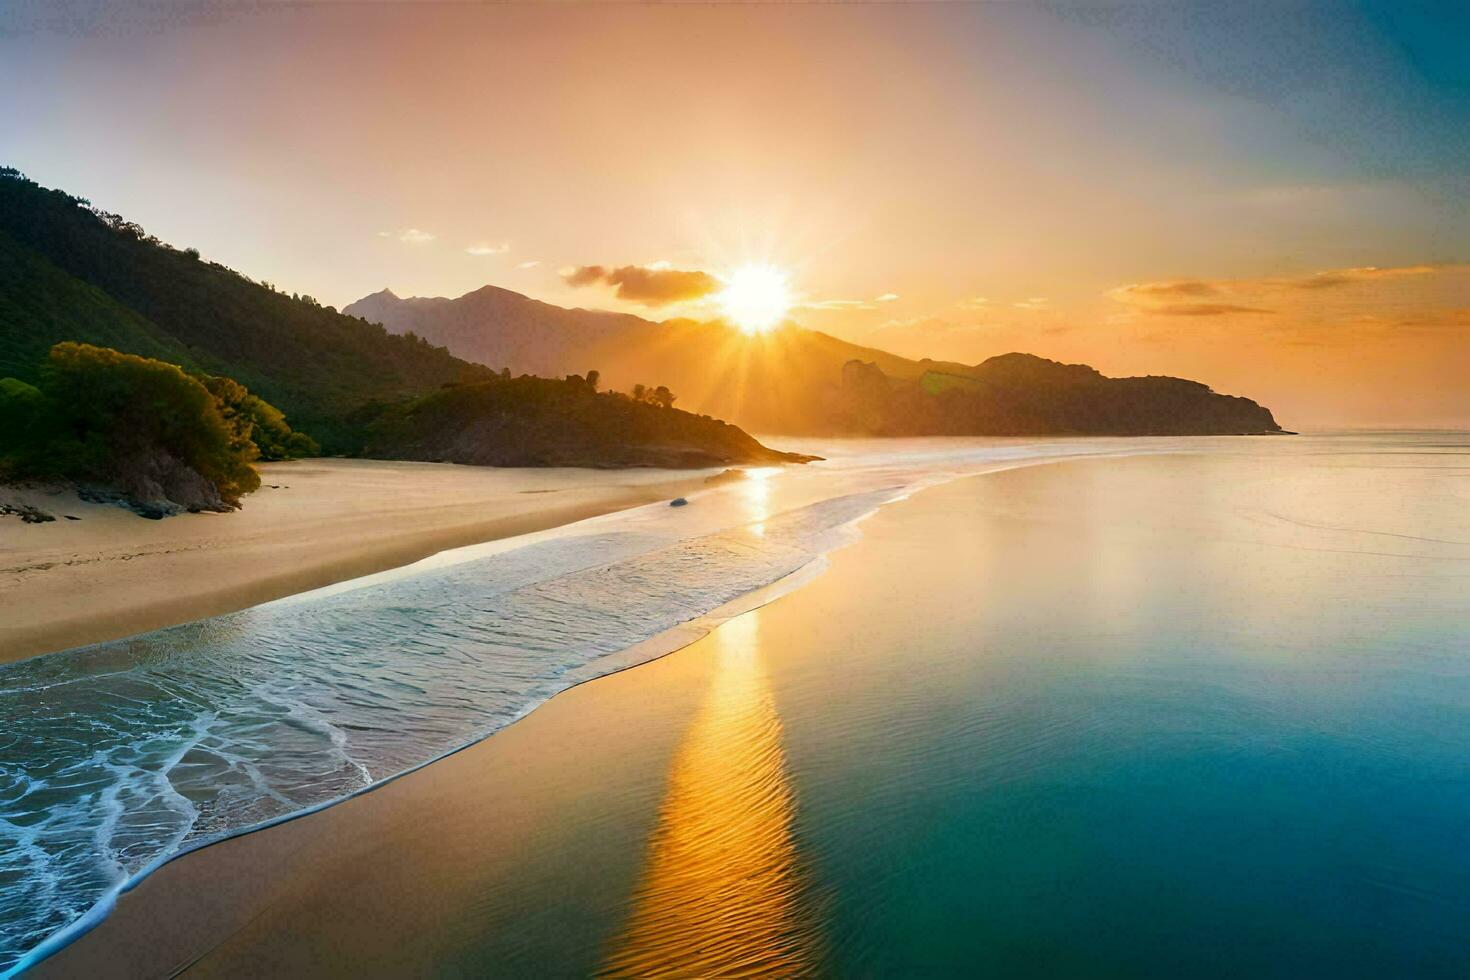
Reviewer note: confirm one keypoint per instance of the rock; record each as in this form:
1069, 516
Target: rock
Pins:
158, 485
26, 513
678, 502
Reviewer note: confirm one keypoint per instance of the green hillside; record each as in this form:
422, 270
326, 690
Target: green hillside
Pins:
40, 305
72, 272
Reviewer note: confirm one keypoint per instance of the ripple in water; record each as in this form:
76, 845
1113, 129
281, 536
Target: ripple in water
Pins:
724, 894
117, 754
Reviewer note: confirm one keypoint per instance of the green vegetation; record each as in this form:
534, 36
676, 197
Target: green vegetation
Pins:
265, 424
165, 438
70, 272
530, 421
1025, 395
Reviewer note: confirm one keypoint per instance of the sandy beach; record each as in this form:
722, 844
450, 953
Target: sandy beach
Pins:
914, 762
387, 883
112, 574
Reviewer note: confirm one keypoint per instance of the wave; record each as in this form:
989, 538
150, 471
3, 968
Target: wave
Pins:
119, 756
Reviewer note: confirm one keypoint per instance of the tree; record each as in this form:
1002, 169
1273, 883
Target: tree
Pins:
640, 393
593, 377
663, 397
25, 424
259, 421
116, 407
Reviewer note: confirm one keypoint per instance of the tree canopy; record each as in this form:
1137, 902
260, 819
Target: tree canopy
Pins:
150, 428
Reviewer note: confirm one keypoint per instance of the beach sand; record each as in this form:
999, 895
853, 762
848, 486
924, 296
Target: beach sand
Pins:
1020, 724
313, 522
427, 874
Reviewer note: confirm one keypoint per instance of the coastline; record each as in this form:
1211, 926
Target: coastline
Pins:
654, 649
112, 574
187, 907
547, 847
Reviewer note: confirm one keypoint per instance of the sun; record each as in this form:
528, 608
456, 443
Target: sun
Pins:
755, 298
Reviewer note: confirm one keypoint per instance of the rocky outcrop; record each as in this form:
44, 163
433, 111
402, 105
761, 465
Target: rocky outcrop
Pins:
153, 484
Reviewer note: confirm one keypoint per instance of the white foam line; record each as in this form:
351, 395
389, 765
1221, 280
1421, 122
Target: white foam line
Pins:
655, 647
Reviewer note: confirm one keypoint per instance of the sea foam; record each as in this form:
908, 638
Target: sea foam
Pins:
119, 755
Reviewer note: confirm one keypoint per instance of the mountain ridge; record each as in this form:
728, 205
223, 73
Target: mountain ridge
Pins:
70, 272
799, 381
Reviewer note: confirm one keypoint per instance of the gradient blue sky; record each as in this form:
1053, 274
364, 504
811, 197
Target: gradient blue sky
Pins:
1033, 177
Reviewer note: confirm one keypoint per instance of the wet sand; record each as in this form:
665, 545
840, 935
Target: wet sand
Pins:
612, 789
1022, 723
313, 522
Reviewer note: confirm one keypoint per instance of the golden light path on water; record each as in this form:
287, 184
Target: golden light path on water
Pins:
722, 892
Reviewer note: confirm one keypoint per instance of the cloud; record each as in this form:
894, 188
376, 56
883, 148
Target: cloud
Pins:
583, 275
1167, 290
973, 303
1348, 277
1204, 309
837, 304
1445, 319
1034, 303
530, 264
413, 236
484, 248
656, 285
1356, 305
847, 304
1160, 297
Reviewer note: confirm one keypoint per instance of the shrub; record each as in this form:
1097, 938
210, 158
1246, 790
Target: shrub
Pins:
114, 406
141, 425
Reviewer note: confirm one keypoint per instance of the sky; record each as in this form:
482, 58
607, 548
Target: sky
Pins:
1272, 198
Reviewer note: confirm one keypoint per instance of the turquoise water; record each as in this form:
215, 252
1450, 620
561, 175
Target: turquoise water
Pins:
1198, 714
117, 756
1194, 716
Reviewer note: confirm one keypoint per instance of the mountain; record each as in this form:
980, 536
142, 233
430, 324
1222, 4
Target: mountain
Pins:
530, 421
530, 337
71, 272
799, 381
1025, 395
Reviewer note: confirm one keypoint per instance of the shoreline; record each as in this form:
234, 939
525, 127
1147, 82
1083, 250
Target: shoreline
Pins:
251, 865
110, 574
657, 649
646, 653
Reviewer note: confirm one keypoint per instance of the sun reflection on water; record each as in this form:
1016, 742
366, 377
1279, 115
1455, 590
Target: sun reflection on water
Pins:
722, 892
756, 492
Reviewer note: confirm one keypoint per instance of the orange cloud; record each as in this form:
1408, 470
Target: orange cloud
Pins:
1158, 297
649, 285
1204, 309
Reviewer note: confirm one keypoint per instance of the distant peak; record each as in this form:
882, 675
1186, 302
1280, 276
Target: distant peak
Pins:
489, 289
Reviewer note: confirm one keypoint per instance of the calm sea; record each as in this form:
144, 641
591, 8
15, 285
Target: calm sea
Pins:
1200, 708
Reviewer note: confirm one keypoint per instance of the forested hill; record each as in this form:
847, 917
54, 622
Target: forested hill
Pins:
799, 381
71, 272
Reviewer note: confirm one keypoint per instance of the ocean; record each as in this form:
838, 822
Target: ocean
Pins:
1207, 698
